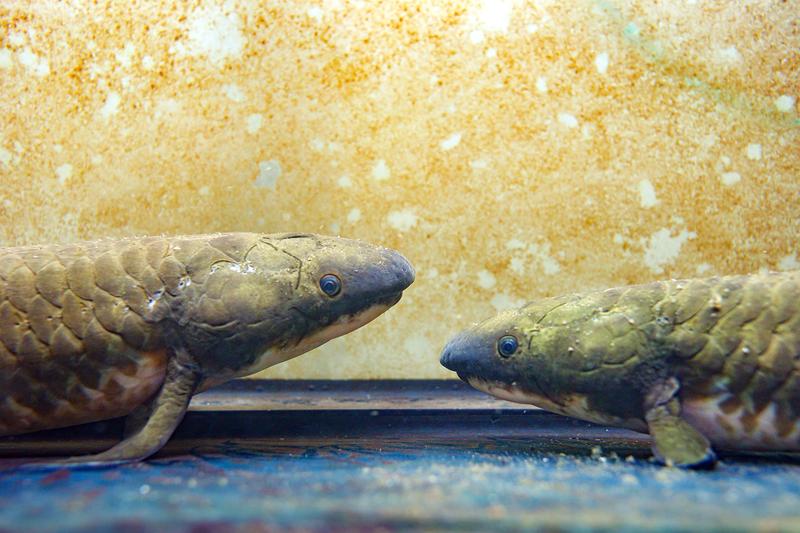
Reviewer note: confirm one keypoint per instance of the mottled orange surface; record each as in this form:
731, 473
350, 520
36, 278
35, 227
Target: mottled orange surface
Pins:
510, 149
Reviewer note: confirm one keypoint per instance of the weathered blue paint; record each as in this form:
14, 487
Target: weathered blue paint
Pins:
401, 456
492, 485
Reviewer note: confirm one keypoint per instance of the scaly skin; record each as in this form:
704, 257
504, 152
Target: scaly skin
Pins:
88, 330
720, 354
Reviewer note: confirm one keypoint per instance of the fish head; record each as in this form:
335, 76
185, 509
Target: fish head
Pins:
533, 355
292, 293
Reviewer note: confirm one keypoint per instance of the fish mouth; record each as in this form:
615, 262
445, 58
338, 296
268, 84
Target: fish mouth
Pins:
462, 376
350, 322
310, 340
514, 392
392, 299
511, 392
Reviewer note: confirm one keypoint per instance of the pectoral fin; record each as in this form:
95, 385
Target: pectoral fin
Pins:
138, 418
675, 441
150, 425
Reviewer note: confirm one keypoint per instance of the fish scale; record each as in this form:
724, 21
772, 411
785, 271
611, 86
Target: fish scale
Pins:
737, 341
78, 338
101, 329
691, 361
72, 327
724, 330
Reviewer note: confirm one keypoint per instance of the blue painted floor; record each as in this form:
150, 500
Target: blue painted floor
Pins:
391, 470
437, 488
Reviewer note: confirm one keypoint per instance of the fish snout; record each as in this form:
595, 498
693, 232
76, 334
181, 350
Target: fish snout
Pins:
399, 274
456, 354
446, 357
472, 354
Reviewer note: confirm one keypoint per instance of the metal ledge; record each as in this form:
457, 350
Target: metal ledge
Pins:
302, 395
261, 415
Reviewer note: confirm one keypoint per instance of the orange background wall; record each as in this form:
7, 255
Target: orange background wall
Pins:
510, 149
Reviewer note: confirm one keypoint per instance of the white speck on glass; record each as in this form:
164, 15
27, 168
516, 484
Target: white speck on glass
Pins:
215, 32
495, 15
541, 252
729, 55
148, 63
663, 248
16, 38
354, 215
503, 301
344, 182
601, 62
785, 103
647, 193
631, 31
486, 279
451, 142
268, 174
111, 106
125, 56
515, 244
5, 156
33, 63
730, 178
567, 119
541, 84
380, 171
233, 92
754, 152
402, 220
63, 173
254, 123
315, 13
476, 37
5, 58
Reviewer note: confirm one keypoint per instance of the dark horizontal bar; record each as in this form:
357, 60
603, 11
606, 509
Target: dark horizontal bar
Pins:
265, 431
264, 416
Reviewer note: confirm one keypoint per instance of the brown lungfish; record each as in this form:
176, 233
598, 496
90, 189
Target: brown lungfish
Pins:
136, 326
696, 363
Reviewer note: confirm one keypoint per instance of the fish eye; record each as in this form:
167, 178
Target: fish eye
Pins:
330, 284
507, 345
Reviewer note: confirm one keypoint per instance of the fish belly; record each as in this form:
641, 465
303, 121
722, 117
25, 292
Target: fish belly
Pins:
741, 429
49, 397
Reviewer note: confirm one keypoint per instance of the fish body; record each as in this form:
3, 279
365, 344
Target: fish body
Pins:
95, 330
696, 362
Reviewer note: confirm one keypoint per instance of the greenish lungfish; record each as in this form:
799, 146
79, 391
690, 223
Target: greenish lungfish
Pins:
136, 326
695, 363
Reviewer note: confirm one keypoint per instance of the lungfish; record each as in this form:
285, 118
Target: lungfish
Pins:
696, 363
134, 327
